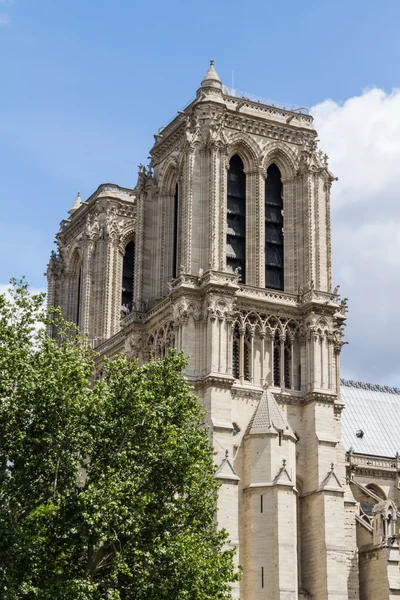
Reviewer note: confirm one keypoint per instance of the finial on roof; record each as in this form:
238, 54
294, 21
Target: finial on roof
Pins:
76, 204
211, 78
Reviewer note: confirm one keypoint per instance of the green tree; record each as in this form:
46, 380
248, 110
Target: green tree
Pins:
107, 489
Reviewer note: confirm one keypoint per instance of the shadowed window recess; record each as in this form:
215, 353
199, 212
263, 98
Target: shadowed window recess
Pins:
274, 275
236, 218
128, 273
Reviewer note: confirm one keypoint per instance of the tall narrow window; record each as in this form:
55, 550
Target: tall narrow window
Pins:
236, 218
288, 365
273, 229
78, 296
236, 353
277, 364
175, 234
128, 278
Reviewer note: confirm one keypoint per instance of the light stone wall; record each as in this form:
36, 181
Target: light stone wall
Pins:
296, 464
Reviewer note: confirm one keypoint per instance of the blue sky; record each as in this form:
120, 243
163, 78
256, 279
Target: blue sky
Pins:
86, 84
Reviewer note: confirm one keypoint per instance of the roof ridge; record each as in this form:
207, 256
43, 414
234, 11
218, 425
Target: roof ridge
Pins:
373, 387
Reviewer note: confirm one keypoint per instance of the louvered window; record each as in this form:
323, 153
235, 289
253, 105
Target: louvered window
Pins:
236, 353
274, 275
277, 365
128, 277
236, 218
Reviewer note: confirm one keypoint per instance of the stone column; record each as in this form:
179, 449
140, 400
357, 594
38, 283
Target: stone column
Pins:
262, 358
86, 285
253, 226
214, 209
223, 174
282, 339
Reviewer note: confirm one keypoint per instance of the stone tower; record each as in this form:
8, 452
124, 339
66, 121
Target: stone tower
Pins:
223, 251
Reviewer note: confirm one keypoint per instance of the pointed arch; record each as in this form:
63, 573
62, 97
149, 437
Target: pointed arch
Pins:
236, 218
245, 146
283, 156
75, 286
169, 175
274, 243
170, 186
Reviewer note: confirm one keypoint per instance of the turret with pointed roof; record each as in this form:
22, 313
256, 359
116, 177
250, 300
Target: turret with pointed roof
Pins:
211, 78
77, 204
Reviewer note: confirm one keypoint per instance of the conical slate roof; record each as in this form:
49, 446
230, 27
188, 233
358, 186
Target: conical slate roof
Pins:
211, 78
268, 417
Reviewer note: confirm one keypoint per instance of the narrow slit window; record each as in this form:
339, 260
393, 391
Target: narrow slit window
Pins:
261, 504
277, 364
236, 218
262, 577
236, 353
288, 365
274, 257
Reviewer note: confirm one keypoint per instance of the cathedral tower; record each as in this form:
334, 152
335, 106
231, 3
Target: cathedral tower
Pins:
223, 251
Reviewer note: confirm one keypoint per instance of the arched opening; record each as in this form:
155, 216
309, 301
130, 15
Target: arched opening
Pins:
376, 490
128, 273
75, 287
274, 274
175, 233
236, 218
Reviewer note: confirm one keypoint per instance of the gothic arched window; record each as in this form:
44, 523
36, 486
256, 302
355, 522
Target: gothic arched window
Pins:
128, 269
175, 233
273, 229
236, 217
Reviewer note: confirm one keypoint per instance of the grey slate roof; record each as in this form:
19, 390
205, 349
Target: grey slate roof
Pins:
268, 417
374, 410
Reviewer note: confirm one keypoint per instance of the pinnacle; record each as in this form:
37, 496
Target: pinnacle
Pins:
211, 78
77, 204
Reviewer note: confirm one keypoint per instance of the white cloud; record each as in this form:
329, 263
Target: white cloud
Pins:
362, 139
4, 19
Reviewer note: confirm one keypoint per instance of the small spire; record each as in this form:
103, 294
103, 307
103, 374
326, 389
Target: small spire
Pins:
211, 78
226, 453
284, 462
77, 204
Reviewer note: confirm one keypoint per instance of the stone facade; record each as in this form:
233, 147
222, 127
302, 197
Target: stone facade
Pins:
264, 361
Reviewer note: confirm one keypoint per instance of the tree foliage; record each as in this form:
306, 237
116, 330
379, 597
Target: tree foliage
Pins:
107, 487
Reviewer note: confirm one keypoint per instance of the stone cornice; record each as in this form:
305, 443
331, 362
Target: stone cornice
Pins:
213, 380
246, 391
320, 396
